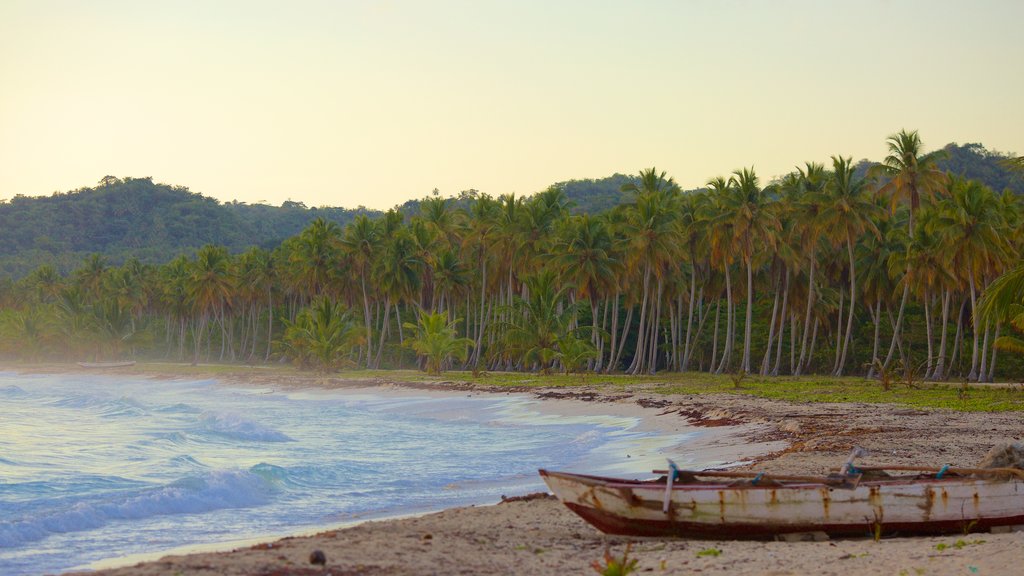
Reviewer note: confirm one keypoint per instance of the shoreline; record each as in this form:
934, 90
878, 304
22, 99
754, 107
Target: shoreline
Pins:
539, 535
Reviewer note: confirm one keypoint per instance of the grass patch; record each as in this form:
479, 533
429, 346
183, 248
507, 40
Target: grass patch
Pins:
851, 389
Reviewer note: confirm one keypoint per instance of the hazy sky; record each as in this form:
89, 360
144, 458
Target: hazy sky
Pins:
355, 102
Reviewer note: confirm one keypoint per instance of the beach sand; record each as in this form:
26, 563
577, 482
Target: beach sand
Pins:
538, 535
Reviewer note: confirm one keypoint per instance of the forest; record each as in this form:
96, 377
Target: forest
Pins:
911, 264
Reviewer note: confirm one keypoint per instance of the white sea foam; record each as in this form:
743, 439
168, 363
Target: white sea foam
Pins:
238, 427
213, 491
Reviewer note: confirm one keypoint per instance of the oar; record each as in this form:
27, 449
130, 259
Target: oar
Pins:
947, 469
853, 479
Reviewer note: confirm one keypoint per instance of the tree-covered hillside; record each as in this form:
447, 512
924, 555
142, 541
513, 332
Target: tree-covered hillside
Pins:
135, 217
819, 272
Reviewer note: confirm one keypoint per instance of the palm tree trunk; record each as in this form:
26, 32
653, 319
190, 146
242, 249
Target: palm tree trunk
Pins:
672, 357
714, 338
957, 339
726, 353
839, 332
940, 363
655, 321
782, 324
638, 354
794, 323
771, 330
877, 316
622, 338
807, 319
689, 321
928, 333
983, 370
898, 327
383, 333
974, 316
750, 316
853, 306
814, 341
992, 363
612, 350
367, 321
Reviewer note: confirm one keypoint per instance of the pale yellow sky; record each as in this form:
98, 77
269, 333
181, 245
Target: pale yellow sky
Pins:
349, 103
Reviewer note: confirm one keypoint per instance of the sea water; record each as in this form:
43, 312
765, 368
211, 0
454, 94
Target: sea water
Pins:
97, 466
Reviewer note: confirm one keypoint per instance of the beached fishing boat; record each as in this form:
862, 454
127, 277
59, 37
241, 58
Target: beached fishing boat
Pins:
106, 364
734, 505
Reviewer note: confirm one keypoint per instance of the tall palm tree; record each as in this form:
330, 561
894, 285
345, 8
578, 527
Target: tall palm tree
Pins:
910, 175
584, 255
847, 213
210, 286
362, 241
399, 276
755, 225
316, 257
970, 223
654, 246
806, 186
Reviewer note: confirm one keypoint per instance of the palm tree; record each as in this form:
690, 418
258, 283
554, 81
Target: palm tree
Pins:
912, 176
316, 257
754, 225
805, 187
90, 275
847, 213
399, 272
584, 256
654, 244
322, 336
210, 285
435, 338
362, 241
970, 223
257, 276
48, 283
538, 322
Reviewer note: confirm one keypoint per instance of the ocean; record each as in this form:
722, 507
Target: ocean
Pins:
94, 467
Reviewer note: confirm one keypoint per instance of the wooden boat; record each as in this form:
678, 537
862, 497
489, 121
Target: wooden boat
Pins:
739, 505
106, 364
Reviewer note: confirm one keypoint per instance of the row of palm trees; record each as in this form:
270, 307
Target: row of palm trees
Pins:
824, 270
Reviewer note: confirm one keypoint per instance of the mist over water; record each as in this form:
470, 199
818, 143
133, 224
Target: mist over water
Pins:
95, 466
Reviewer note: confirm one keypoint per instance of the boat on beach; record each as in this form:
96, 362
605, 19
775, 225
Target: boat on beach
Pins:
742, 505
106, 364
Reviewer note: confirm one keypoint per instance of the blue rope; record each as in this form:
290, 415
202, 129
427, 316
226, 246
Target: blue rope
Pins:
757, 479
942, 472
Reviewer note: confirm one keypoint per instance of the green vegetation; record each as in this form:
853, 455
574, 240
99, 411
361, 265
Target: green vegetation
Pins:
709, 553
435, 339
137, 218
616, 566
838, 270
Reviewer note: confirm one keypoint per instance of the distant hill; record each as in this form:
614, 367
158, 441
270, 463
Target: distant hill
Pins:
137, 217
975, 162
155, 222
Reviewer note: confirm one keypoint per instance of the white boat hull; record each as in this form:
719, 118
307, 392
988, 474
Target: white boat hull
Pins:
718, 510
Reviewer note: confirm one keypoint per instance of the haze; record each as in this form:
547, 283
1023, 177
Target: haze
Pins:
374, 103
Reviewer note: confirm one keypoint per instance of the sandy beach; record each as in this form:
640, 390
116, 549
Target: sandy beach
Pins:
535, 534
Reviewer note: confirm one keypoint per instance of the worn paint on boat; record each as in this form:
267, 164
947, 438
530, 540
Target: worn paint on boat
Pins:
721, 510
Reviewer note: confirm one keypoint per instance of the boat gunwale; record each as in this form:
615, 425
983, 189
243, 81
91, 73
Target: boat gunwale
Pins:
654, 484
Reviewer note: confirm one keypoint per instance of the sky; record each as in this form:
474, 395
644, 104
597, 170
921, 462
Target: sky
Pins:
372, 103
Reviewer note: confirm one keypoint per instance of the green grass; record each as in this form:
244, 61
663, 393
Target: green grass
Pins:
795, 389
